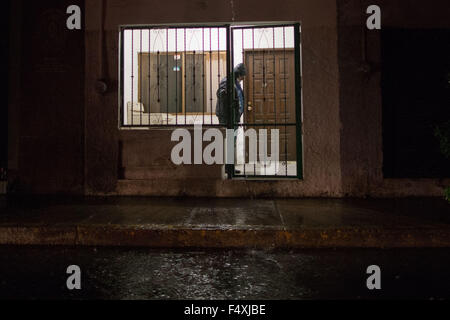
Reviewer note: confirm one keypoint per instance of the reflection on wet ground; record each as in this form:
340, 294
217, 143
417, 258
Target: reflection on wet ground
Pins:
123, 273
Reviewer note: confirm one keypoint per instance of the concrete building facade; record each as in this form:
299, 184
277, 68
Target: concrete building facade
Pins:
64, 136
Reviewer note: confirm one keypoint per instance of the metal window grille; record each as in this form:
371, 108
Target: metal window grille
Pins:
170, 76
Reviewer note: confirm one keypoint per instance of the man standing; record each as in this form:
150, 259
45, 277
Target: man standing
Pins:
223, 108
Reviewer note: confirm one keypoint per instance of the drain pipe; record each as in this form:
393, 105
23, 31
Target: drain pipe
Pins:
101, 85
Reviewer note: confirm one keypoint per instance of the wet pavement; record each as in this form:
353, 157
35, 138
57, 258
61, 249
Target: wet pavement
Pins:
220, 223
211, 213
126, 273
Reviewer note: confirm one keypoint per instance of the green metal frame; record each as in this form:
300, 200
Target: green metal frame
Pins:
230, 169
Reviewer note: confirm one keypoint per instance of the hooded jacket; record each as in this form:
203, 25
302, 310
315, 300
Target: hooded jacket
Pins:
222, 108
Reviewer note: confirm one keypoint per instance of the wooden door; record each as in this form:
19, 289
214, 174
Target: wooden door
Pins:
160, 78
194, 87
270, 96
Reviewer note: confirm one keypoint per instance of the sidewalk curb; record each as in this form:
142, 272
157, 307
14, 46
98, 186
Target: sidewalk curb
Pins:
167, 237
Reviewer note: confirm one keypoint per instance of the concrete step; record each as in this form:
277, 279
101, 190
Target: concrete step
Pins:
166, 237
223, 223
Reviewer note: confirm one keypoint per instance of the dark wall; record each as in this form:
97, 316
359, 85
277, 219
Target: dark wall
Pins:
388, 78
359, 98
51, 115
416, 98
4, 57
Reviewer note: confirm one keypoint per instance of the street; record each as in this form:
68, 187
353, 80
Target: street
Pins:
129, 273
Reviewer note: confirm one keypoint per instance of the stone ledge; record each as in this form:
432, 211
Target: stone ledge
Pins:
164, 237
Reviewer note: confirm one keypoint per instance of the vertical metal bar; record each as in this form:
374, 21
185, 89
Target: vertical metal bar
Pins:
230, 63
203, 75
218, 55
185, 85
122, 71
140, 77
266, 151
229, 168
274, 86
253, 89
132, 75
167, 75
298, 97
245, 109
264, 103
285, 106
264, 75
210, 74
176, 75
149, 77
274, 76
194, 103
158, 62
232, 78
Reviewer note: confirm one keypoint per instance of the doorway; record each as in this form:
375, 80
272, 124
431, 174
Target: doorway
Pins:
271, 55
416, 99
270, 88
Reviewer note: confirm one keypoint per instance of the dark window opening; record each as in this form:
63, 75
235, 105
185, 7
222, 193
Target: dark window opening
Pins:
416, 97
